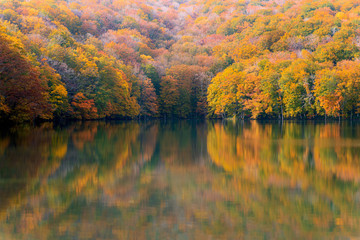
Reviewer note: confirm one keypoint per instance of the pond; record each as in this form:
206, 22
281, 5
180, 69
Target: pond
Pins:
180, 180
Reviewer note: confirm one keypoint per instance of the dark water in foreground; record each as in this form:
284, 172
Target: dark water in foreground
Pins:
181, 180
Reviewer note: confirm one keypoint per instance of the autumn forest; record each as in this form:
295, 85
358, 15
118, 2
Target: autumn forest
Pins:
118, 59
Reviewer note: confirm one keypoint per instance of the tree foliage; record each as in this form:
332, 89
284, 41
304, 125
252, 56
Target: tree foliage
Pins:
293, 57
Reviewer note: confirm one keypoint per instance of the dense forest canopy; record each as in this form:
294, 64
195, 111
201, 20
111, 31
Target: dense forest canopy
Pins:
89, 59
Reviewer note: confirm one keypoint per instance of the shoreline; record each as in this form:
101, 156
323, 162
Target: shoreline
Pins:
5, 124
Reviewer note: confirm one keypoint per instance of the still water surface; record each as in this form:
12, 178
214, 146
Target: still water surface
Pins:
180, 180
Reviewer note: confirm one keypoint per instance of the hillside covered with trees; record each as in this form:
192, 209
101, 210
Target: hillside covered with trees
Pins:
90, 59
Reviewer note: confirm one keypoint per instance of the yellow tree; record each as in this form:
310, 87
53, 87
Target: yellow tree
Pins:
328, 96
223, 97
348, 74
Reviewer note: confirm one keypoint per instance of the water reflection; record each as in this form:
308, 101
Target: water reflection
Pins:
180, 180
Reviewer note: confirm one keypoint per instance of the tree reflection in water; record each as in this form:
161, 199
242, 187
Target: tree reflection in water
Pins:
180, 180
